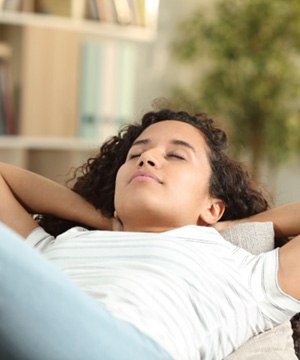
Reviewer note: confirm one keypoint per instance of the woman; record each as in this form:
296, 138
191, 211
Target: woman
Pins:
166, 288
229, 180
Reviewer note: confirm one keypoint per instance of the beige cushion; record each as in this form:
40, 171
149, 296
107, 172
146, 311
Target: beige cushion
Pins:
275, 344
254, 237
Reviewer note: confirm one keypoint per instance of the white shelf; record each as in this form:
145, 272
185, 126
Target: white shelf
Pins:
86, 27
51, 157
24, 34
15, 142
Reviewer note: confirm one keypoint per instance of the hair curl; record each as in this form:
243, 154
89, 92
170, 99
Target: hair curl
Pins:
230, 181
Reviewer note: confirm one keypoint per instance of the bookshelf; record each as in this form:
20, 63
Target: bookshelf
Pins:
82, 26
52, 157
70, 76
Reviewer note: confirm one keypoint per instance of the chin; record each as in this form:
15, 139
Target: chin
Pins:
142, 209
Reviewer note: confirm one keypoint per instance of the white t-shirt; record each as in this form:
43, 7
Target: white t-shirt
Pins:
194, 293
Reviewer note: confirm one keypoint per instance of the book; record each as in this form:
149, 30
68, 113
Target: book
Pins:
92, 10
28, 6
107, 87
12, 5
123, 12
54, 7
79, 9
97, 90
89, 87
126, 83
103, 10
139, 11
7, 119
2, 111
109, 11
1, 4
6, 98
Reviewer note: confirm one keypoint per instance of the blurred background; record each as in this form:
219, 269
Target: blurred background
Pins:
73, 71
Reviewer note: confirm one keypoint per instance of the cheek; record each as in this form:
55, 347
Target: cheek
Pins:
118, 185
122, 178
121, 174
195, 185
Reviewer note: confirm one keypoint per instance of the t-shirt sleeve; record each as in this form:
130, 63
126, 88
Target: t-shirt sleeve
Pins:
274, 303
39, 239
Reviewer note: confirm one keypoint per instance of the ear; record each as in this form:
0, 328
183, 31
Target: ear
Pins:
212, 213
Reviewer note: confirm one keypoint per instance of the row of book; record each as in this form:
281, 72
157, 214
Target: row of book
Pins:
107, 88
124, 12
66, 85
7, 119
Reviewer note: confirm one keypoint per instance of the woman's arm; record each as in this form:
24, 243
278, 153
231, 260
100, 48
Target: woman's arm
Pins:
286, 222
23, 192
12, 212
289, 268
285, 218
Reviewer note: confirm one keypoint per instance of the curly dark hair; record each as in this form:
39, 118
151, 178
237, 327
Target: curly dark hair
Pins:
230, 181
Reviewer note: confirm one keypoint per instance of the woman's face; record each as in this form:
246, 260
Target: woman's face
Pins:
164, 182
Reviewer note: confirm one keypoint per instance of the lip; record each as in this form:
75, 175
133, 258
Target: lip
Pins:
145, 176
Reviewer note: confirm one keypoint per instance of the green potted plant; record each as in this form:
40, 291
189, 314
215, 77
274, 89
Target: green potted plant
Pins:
246, 70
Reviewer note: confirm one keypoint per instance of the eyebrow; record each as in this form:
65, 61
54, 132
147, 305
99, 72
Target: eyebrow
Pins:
173, 142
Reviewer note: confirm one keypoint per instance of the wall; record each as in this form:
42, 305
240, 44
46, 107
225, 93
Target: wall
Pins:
284, 182
158, 68
158, 76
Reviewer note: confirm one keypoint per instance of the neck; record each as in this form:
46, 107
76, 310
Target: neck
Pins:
149, 228
148, 224
151, 222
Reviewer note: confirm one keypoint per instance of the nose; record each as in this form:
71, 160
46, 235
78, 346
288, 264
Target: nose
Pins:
149, 162
147, 158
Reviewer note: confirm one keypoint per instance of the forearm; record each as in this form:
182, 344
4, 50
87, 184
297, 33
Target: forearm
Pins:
12, 213
38, 194
285, 218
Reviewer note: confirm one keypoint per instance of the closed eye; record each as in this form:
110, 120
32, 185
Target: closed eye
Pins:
177, 156
172, 155
134, 156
